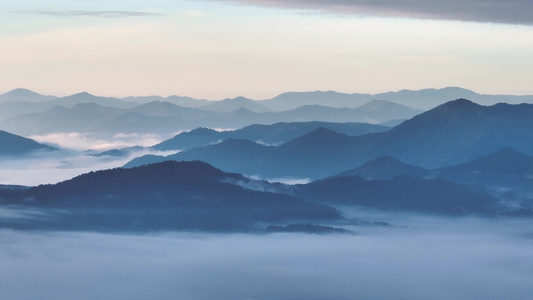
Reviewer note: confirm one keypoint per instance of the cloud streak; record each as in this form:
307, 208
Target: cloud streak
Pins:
107, 14
492, 11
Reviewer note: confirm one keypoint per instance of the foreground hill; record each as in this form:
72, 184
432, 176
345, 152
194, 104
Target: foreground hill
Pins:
453, 133
169, 195
14, 145
196, 196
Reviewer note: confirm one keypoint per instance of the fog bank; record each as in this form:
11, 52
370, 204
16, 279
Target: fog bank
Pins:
424, 259
53, 167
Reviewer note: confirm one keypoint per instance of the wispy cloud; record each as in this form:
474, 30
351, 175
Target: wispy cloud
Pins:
108, 14
492, 11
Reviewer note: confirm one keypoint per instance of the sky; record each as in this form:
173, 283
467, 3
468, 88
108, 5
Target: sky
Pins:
220, 49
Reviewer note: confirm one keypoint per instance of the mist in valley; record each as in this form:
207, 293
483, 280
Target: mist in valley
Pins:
419, 257
74, 157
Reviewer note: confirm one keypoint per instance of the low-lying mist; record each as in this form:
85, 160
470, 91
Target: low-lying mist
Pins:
72, 160
56, 166
88, 141
419, 258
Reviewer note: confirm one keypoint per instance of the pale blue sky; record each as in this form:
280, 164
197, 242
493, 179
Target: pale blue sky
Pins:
218, 49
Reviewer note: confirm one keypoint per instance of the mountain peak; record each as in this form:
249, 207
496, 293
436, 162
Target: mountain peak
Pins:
11, 144
82, 94
236, 99
202, 130
20, 92
384, 160
451, 110
459, 104
319, 136
377, 104
385, 167
323, 131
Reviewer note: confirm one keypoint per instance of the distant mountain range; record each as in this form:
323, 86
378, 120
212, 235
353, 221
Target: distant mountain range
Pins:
457, 158
164, 117
452, 133
11, 107
175, 113
14, 145
418, 99
25, 95
275, 134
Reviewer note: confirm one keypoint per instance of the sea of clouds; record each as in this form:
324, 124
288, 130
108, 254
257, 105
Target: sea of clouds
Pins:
420, 257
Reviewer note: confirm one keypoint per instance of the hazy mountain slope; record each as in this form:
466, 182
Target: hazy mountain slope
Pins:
292, 100
274, 134
83, 117
138, 123
419, 99
506, 161
506, 172
386, 110
84, 97
452, 133
428, 98
24, 95
90, 117
169, 195
319, 153
399, 193
228, 155
167, 109
176, 100
366, 114
191, 139
459, 131
229, 105
184, 118
18, 105
14, 145
385, 167
13, 109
